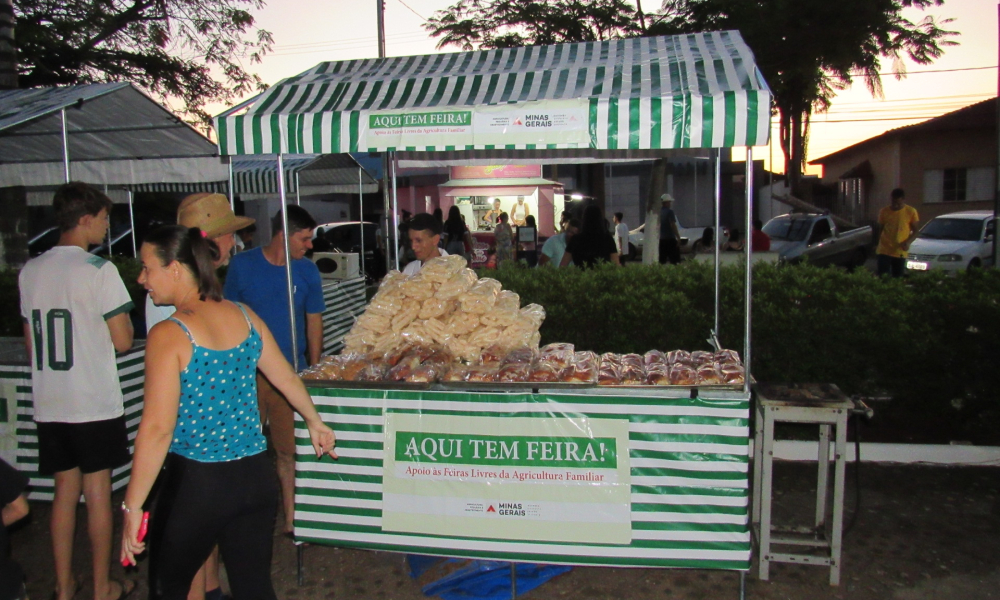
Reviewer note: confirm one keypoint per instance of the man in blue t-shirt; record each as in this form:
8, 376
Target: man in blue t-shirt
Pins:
258, 278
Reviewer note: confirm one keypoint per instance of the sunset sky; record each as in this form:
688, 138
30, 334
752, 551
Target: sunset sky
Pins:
310, 31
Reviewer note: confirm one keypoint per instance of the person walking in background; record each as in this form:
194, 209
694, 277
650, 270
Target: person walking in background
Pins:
76, 316
527, 241
670, 249
212, 214
554, 247
457, 234
897, 230
258, 279
439, 216
593, 244
13, 507
504, 240
759, 241
621, 234
199, 417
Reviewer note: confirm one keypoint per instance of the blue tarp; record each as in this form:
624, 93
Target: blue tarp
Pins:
479, 579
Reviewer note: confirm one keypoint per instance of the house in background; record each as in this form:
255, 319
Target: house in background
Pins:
945, 164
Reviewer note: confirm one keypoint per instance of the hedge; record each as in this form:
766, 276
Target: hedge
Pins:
927, 340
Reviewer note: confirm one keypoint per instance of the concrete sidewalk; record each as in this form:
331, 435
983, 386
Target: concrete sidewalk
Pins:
922, 533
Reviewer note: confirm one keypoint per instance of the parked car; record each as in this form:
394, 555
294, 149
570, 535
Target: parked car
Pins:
689, 235
815, 238
954, 242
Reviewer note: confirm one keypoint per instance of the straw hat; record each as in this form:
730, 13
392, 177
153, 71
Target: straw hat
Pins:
211, 213
667, 198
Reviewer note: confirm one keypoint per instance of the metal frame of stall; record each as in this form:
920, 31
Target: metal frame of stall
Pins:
296, 132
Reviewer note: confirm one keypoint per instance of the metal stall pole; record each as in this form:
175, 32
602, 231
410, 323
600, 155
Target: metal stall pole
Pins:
749, 280
390, 234
232, 192
395, 205
131, 218
718, 209
288, 259
65, 144
298, 196
361, 220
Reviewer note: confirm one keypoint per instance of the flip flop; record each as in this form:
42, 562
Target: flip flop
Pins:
78, 585
126, 590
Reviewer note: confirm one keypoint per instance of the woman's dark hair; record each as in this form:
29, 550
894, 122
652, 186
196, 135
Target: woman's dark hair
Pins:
530, 221
707, 236
504, 217
454, 226
191, 248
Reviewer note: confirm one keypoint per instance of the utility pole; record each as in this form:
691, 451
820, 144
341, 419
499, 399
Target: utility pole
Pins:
996, 191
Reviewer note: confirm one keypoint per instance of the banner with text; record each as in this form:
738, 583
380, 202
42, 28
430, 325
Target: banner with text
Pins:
545, 479
563, 122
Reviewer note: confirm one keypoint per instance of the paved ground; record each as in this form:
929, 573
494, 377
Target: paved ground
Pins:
923, 533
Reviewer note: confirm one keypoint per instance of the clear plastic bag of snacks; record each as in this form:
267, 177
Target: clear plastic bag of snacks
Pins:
457, 284
481, 296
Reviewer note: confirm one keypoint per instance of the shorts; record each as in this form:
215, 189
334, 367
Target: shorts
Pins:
91, 447
277, 414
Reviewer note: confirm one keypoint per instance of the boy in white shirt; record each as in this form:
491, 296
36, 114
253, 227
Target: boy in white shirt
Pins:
76, 316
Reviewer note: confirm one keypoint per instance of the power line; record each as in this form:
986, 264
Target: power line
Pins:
927, 71
412, 11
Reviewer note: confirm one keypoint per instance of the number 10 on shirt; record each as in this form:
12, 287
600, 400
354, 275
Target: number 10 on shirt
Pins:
53, 315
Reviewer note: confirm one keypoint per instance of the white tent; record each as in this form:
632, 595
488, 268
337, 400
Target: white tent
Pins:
107, 134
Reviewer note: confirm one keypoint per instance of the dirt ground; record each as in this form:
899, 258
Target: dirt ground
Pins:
922, 533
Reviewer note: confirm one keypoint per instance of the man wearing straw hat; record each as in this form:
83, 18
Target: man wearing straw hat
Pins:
212, 214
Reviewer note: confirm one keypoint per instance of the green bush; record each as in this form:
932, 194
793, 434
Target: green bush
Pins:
928, 340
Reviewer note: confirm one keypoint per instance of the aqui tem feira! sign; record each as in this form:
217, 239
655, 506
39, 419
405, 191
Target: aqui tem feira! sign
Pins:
564, 123
460, 118
547, 479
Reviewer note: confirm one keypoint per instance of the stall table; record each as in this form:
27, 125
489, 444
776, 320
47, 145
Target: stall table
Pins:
15, 379
676, 496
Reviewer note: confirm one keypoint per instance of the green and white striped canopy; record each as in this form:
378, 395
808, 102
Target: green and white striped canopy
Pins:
687, 91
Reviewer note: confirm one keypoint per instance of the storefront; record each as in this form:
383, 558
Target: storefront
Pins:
519, 190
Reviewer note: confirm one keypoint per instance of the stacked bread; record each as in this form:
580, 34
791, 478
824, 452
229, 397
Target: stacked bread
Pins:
444, 305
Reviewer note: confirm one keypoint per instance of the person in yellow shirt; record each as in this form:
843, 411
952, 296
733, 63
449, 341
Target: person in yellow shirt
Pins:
897, 229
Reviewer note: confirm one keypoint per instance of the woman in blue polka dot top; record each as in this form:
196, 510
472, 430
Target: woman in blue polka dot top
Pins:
201, 419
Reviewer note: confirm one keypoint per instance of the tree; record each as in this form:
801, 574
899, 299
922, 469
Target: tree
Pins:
492, 24
193, 50
807, 50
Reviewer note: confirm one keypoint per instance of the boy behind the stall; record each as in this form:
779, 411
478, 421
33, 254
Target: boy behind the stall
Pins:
75, 309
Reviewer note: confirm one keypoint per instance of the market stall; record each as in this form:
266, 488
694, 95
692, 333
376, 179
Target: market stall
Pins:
15, 383
661, 93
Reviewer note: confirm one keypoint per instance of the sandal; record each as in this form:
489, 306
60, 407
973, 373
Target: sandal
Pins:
126, 590
78, 585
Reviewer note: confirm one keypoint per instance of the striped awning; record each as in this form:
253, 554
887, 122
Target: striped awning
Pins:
687, 91
307, 175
